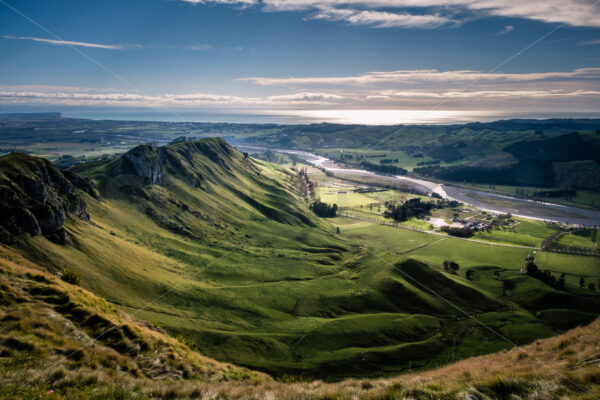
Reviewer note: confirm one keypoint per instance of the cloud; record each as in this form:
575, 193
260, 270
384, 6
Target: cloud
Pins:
73, 97
590, 42
570, 12
494, 94
231, 2
200, 47
549, 97
507, 29
71, 43
417, 76
380, 19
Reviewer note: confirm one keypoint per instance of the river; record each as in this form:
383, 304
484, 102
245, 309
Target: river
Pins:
481, 199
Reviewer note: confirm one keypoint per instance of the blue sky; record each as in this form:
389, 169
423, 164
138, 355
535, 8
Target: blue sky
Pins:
273, 55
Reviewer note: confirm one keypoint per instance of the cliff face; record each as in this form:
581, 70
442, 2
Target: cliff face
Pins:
145, 162
36, 197
183, 160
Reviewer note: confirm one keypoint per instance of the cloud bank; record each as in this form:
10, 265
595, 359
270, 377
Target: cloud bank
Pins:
401, 90
570, 12
421, 76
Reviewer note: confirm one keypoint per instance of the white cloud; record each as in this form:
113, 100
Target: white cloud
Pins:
416, 76
71, 43
548, 94
233, 2
570, 12
380, 19
74, 97
590, 42
507, 29
200, 47
517, 97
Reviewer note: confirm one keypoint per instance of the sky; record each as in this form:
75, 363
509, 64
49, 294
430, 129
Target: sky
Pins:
364, 61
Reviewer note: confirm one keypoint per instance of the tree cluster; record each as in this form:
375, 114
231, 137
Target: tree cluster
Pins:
508, 285
383, 168
457, 231
546, 276
413, 208
451, 266
324, 210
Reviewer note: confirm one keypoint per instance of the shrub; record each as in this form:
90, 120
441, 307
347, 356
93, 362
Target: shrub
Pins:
71, 277
187, 342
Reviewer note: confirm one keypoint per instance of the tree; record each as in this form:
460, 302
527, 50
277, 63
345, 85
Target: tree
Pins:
560, 284
532, 269
469, 274
508, 285
581, 282
323, 209
451, 266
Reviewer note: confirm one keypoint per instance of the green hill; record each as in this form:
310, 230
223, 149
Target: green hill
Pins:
220, 250
47, 351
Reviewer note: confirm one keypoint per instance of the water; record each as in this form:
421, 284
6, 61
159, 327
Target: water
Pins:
364, 117
486, 201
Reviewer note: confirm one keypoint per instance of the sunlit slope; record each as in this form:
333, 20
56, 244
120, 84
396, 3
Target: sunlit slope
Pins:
57, 336
61, 341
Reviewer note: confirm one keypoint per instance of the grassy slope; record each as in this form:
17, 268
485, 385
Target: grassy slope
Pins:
59, 336
267, 294
45, 319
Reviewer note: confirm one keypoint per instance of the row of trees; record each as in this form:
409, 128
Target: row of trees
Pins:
428, 163
323, 209
457, 231
383, 168
307, 188
546, 276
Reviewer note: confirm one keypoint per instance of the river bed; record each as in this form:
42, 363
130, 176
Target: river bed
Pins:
487, 201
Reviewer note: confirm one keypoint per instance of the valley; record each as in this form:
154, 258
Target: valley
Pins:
249, 275
225, 252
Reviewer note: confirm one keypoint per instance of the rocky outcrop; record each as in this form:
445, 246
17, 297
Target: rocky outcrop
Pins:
183, 159
83, 184
143, 161
36, 198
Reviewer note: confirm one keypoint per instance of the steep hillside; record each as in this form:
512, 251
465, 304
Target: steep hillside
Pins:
58, 336
219, 248
59, 341
36, 197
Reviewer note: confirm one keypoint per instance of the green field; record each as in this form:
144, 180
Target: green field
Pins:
585, 239
405, 160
